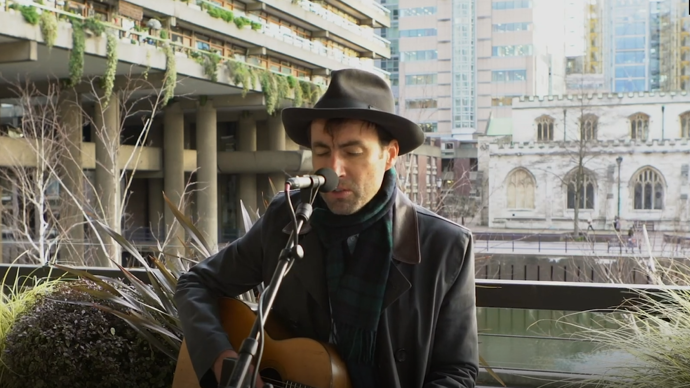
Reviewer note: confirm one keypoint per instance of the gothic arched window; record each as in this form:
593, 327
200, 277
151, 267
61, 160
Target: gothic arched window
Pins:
649, 190
639, 126
544, 128
520, 190
586, 191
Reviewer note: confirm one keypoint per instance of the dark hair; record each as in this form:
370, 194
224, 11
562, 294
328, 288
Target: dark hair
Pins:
331, 125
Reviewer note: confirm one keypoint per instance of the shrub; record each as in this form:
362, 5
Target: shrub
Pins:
62, 341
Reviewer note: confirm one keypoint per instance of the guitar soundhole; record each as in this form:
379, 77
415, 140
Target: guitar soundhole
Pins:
271, 375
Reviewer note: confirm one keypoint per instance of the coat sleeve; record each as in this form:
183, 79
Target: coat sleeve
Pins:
232, 271
455, 355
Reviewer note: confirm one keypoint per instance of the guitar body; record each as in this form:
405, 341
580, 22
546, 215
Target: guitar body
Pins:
292, 362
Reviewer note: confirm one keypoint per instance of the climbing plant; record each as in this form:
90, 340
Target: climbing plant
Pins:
269, 88
110, 67
76, 57
209, 61
30, 14
49, 26
240, 73
170, 74
95, 25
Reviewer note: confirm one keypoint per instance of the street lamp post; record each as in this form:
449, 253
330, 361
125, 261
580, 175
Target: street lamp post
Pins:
619, 160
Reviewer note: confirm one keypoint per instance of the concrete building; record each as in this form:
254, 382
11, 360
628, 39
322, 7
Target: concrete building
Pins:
520, 51
229, 144
420, 63
635, 153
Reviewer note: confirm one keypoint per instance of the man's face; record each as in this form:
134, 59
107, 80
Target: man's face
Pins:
353, 151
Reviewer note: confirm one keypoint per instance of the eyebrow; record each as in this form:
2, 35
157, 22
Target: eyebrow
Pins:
342, 145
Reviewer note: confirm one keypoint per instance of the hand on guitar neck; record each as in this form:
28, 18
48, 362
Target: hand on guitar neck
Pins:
218, 367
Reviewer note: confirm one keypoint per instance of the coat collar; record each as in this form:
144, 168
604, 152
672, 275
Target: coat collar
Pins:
406, 249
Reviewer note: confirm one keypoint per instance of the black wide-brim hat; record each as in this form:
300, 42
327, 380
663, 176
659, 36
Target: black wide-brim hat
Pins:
355, 94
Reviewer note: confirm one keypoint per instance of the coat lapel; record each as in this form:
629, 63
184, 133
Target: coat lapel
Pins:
312, 274
310, 270
405, 248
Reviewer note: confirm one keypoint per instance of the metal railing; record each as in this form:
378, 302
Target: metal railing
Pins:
288, 36
342, 22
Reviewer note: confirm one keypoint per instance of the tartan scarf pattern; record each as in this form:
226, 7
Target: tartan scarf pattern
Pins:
357, 281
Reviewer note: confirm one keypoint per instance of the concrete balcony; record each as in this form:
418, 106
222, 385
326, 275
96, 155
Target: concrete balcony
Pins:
367, 11
335, 27
270, 37
150, 159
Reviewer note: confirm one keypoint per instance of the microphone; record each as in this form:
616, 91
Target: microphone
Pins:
324, 179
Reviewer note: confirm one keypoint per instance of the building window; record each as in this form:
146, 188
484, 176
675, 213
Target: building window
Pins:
544, 128
586, 193
519, 50
514, 4
421, 103
649, 190
420, 79
423, 55
639, 126
418, 11
685, 125
588, 127
508, 75
520, 191
418, 33
511, 27
429, 127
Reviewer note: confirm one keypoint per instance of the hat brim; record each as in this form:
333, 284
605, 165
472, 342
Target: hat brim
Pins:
297, 123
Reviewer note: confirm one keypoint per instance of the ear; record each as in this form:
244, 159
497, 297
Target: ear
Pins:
391, 152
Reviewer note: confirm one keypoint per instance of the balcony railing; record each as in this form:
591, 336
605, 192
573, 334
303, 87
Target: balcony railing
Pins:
367, 33
288, 36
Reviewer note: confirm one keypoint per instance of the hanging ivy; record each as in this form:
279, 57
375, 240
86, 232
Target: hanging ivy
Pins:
240, 73
170, 74
270, 90
76, 57
210, 62
49, 28
282, 86
94, 25
299, 96
110, 67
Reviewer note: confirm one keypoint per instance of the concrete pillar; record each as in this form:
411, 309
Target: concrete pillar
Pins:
156, 206
276, 136
71, 217
207, 171
173, 171
107, 139
246, 133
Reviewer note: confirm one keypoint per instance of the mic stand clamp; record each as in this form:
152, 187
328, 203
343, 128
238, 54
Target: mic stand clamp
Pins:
250, 345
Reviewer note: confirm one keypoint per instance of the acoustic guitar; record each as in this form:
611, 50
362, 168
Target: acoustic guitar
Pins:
286, 361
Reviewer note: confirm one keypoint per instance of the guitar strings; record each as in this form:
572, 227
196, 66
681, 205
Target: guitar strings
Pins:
284, 384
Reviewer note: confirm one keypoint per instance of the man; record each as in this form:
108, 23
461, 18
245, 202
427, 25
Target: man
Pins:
389, 283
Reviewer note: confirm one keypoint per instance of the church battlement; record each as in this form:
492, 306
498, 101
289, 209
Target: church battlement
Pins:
654, 145
630, 98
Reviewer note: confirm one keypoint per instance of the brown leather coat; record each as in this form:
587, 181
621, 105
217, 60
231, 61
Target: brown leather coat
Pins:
427, 334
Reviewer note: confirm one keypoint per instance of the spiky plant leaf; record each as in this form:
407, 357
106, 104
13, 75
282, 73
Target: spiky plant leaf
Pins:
189, 227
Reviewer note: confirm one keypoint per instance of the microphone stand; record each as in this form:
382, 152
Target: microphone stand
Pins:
288, 255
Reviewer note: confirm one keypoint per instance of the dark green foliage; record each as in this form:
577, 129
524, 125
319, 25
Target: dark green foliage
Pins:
95, 25
30, 14
59, 344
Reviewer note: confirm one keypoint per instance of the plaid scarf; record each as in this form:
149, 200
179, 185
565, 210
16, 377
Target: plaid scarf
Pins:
357, 281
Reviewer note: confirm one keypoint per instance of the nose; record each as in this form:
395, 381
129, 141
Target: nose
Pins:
336, 164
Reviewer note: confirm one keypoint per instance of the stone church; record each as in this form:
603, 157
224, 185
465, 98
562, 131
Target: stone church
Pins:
612, 155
